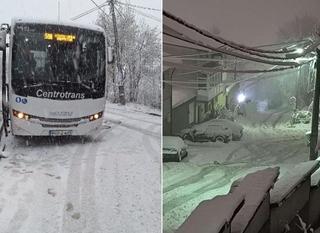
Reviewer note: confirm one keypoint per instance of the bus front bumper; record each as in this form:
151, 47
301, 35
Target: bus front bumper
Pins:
21, 127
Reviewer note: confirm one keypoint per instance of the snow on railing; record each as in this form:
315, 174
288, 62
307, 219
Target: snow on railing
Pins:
290, 197
255, 187
289, 181
213, 216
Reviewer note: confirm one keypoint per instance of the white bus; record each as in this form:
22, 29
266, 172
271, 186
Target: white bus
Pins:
56, 78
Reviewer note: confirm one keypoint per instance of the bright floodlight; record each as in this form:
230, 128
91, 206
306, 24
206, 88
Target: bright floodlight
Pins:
241, 98
299, 50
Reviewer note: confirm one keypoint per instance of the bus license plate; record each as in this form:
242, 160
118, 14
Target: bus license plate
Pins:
60, 132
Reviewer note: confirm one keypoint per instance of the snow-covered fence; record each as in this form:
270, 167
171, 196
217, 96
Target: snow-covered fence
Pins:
213, 216
290, 196
314, 201
253, 217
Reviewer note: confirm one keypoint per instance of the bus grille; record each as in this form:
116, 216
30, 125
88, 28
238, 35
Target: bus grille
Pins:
58, 120
58, 126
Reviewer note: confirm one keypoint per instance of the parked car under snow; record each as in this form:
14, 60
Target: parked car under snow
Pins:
205, 133
236, 128
173, 148
219, 125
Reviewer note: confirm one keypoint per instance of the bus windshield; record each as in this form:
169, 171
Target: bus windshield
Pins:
58, 58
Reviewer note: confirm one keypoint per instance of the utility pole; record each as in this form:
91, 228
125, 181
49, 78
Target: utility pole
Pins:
315, 112
118, 58
58, 11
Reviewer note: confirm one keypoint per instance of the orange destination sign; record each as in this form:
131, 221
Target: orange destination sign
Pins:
59, 37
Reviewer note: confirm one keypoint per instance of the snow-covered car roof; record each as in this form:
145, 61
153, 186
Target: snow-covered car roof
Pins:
173, 142
228, 123
53, 22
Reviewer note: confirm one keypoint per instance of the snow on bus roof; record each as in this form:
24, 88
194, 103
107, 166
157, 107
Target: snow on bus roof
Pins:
54, 22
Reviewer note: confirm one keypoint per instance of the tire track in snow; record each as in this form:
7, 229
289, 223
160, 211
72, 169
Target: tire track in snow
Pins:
130, 126
134, 118
230, 174
279, 117
130, 170
133, 111
152, 146
225, 180
271, 140
21, 215
80, 191
108, 193
70, 225
266, 119
121, 165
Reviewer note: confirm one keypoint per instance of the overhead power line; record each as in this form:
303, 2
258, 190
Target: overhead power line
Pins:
138, 6
249, 50
89, 11
147, 15
260, 46
214, 69
139, 12
229, 52
100, 8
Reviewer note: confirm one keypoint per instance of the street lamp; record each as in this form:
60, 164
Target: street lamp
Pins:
295, 53
241, 98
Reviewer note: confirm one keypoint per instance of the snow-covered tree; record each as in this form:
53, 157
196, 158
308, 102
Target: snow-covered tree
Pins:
140, 56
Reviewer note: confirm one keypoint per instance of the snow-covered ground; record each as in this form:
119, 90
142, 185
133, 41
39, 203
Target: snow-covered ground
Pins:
110, 184
210, 168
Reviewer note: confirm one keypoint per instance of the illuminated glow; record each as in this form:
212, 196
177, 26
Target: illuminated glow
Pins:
305, 59
62, 37
96, 116
299, 50
91, 118
241, 98
20, 115
48, 36
59, 37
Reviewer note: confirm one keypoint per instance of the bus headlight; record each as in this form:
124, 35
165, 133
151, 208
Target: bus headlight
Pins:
21, 115
95, 116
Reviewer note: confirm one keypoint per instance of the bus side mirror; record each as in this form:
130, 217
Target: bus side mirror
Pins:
3, 37
110, 56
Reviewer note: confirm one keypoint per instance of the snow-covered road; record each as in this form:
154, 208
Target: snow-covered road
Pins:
110, 184
210, 168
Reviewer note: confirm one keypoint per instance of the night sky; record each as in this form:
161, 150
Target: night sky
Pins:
250, 22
